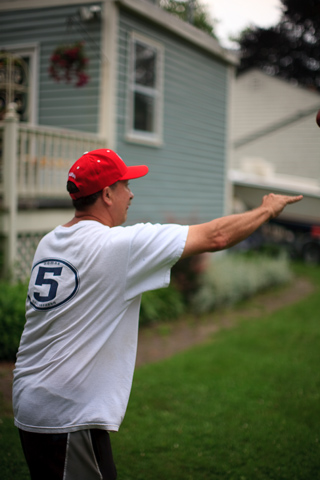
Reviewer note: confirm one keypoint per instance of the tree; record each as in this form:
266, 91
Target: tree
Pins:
191, 11
291, 49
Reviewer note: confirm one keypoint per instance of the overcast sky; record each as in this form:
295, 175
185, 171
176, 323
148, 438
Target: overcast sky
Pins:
235, 15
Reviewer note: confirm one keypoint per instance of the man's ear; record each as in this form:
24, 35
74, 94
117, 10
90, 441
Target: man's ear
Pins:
106, 195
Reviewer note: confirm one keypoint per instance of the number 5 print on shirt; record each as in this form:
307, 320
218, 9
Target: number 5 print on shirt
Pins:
53, 282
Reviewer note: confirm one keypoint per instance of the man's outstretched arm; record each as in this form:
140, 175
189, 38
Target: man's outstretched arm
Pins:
225, 232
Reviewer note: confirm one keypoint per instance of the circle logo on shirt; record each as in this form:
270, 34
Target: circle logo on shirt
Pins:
53, 282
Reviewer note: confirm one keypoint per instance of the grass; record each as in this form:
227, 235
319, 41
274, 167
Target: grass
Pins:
245, 406
13, 466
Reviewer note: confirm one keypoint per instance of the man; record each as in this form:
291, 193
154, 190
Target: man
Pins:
77, 353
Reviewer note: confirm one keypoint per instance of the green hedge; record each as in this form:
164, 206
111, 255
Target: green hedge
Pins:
160, 305
12, 318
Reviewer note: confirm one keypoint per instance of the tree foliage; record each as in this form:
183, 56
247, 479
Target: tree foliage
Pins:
290, 49
191, 11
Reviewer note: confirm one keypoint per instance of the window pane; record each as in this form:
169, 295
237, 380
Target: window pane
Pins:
143, 112
145, 65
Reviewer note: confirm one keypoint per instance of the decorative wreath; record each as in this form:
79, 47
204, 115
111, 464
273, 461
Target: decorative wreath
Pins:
69, 63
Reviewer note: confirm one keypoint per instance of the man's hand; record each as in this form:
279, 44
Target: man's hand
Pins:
276, 203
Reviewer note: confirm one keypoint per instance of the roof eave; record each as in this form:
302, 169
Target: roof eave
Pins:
184, 30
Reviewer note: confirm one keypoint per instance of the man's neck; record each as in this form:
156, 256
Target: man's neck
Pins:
78, 217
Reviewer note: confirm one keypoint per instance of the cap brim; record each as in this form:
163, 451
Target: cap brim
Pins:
135, 171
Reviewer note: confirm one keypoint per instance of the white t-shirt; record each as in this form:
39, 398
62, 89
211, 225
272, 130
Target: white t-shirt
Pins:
77, 353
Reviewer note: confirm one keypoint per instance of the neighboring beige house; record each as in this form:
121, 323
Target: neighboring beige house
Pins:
275, 143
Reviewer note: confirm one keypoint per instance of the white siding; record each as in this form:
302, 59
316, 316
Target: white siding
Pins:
275, 121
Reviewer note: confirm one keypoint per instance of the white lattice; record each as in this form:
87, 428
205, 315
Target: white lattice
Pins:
27, 244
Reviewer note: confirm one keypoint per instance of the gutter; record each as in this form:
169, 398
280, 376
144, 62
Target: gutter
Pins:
284, 183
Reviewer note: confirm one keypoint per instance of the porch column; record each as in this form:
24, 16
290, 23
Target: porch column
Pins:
10, 193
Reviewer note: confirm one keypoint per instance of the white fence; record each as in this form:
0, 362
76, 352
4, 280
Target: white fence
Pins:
34, 161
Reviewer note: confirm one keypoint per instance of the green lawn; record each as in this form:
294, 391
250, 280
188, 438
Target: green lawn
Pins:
245, 406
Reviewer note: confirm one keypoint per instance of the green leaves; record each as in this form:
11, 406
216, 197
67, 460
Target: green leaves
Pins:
12, 318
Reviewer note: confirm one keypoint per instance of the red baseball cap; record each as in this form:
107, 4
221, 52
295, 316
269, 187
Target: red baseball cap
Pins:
101, 168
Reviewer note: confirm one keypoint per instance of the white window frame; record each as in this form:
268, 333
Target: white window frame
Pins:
32, 51
138, 136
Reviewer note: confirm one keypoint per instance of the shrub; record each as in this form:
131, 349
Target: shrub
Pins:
233, 277
12, 318
162, 304
186, 275
228, 279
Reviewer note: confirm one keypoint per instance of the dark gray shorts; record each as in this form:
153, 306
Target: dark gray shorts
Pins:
81, 455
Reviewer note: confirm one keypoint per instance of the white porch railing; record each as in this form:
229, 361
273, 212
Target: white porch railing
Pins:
34, 162
44, 156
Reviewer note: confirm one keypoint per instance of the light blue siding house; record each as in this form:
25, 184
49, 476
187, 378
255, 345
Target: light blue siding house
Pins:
158, 94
